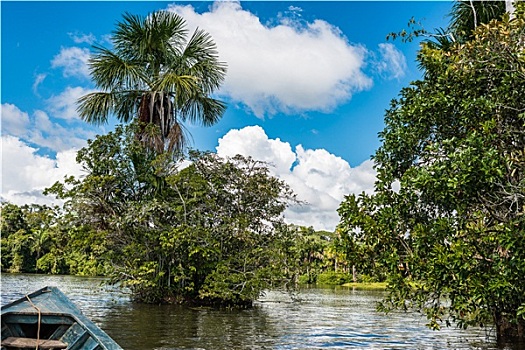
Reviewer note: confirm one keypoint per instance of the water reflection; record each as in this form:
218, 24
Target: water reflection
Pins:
335, 318
177, 327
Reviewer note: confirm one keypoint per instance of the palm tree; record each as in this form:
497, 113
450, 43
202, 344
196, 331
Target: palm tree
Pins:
468, 14
465, 15
155, 76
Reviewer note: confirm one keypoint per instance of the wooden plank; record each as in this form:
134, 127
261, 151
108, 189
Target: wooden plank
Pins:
90, 344
30, 343
45, 319
6, 331
15, 330
59, 332
75, 336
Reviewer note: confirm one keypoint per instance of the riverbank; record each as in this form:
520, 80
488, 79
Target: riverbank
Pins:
366, 285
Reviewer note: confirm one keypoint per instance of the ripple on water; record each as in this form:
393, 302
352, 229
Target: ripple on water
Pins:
334, 318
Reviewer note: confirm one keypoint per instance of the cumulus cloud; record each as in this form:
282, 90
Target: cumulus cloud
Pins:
73, 61
14, 121
80, 38
63, 105
25, 137
39, 129
295, 9
28, 173
51, 135
392, 63
319, 178
289, 67
252, 141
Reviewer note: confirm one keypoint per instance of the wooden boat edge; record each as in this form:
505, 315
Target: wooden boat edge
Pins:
71, 310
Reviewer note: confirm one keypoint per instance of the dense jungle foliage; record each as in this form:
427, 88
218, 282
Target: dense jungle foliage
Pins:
447, 221
207, 230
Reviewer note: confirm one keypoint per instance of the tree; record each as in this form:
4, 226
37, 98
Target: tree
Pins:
16, 256
224, 244
365, 248
155, 75
466, 15
450, 195
308, 251
209, 233
41, 220
26, 235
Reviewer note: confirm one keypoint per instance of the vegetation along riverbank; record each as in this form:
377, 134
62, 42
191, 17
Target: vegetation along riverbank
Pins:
443, 231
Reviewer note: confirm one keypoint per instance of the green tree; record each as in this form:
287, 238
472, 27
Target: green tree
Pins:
465, 16
25, 235
155, 75
364, 247
12, 219
208, 233
450, 196
41, 220
308, 252
16, 256
43, 239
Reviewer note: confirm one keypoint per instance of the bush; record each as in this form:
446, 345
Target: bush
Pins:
333, 278
364, 278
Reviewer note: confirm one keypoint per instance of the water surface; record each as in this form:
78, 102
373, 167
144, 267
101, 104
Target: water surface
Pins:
329, 318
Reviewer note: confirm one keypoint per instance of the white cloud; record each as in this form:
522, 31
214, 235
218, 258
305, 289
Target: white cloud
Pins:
14, 121
80, 38
46, 133
73, 61
39, 129
25, 171
290, 67
25, 174
252, 141
318, 177
392, 63
295, 9
38, 80
63, 105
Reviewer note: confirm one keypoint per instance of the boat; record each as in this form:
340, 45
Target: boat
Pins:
47, 319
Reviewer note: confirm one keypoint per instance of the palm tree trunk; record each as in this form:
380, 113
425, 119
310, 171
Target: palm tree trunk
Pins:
152, 107
162, 116
474, 14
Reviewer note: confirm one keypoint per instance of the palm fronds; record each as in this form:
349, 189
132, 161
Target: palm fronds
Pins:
154, 75
467, 14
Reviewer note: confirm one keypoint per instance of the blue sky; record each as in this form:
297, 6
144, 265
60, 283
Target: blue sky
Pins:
307, 87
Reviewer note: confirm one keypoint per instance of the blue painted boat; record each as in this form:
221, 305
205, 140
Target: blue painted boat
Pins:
47, 319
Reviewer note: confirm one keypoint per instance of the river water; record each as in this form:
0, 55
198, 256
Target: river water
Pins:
331, 318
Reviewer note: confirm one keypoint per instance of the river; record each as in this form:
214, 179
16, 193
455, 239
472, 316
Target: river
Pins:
332, 318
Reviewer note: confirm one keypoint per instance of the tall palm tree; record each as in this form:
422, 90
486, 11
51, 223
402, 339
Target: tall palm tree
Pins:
156, 76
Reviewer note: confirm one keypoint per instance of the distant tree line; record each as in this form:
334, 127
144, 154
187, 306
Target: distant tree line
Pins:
42, 239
